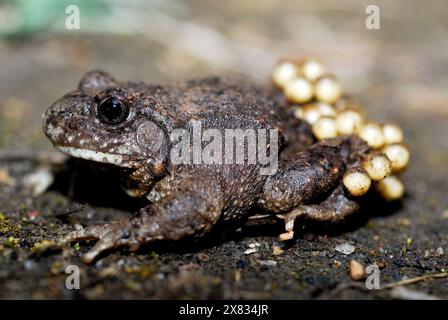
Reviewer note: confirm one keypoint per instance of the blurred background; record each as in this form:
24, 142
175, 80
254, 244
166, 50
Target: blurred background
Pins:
398, 70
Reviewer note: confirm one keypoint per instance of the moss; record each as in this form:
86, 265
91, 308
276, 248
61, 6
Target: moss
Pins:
145, 272
43, 245
12, 242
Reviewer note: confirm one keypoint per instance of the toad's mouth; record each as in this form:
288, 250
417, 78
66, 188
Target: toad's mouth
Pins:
98, 156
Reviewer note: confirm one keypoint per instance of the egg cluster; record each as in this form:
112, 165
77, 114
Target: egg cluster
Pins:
318, 98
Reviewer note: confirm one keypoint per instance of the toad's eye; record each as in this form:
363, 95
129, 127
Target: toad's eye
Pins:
112, 111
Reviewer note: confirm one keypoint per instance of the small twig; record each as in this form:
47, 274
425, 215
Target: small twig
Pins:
360, 286
414, 280
260, 216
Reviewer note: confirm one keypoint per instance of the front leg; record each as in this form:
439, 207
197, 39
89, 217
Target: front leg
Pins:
191, 210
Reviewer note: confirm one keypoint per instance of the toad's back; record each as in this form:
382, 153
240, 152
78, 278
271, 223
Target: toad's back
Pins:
217, 102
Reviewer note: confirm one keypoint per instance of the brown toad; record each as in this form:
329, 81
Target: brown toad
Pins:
131, 125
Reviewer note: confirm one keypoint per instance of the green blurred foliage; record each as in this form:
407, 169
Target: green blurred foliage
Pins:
19, 18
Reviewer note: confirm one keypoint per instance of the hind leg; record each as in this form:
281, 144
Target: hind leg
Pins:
326, 186
313, 184
333, 209
312, 174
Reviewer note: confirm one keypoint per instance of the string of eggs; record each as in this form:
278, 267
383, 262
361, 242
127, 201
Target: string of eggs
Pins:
318, 98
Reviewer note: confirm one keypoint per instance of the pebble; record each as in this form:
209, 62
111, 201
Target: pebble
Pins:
440, 251
28, 264
445, 214
345, 248
277, 250
268, 263
159, 276
254, 245
250, 251
356, 270
39, 181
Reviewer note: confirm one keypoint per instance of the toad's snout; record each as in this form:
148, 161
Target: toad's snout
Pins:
51, 124
67, 118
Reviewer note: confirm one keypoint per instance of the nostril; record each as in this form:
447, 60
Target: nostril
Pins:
64, 113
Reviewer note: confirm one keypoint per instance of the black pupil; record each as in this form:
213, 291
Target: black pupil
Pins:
112, 111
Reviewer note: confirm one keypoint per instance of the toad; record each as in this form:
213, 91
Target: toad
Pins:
323, 162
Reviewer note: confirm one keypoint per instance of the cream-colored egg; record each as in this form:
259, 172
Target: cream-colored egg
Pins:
325, 109
391, 188
328, 89
392, 133
311, 113
349, 121
283, 73
314, 111
356, 181
372, 133
298, 112
378, 166
399, 156
313, 69
299, 90
325, 128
